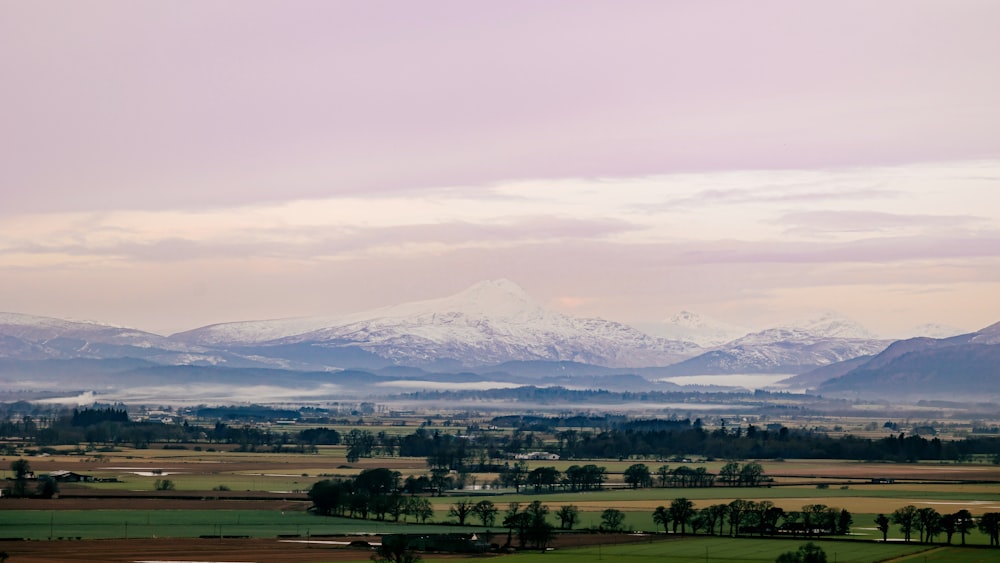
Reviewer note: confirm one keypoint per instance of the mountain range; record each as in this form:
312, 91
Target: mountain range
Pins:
963, 366
494, 330
489, 323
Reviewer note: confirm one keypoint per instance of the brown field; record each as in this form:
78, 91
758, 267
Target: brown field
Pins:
252, 475
245, 550
236, 550
899, 471
127, 502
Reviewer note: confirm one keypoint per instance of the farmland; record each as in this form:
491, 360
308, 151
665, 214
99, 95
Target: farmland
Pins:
228, 495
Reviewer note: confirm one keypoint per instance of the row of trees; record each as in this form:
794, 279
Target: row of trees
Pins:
373, 493
112, 427
616, 438
752, 517
638, 475
576, 477
751, 474
379, 493
739, 517
929, 523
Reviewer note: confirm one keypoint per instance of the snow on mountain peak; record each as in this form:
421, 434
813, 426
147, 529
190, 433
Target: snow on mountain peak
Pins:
692, 327
494, 297
834, 325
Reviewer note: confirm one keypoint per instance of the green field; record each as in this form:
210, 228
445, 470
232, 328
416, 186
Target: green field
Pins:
700, 550
103, 524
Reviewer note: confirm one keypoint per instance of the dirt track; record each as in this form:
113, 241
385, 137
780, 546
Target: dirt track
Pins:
244, 550
232, 550
132, 503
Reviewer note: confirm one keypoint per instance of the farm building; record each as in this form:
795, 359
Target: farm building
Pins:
71, 477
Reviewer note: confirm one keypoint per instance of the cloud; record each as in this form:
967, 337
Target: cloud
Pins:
305, 243
808, 223
739, 242
799, 194
260, 102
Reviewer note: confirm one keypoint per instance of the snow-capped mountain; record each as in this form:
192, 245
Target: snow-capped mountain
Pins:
790, 349
692, 327
245, 333
32, 337
28, 337
489, 323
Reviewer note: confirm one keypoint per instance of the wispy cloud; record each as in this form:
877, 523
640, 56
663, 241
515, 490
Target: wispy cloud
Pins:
809, 223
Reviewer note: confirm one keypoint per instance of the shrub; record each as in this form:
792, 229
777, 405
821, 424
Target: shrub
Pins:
163, 485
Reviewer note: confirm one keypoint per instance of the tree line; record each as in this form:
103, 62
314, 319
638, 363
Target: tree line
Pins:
381, 494
929, 523
476, 450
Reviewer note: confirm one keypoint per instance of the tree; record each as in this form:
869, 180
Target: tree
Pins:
713, 514
486, 511
752, 474
48, 488
767, 516
393, 550
440, 480
681, 510
661, 517
515, 476
730, 473
539, 531
420, 508
377, 481
814, 518
905, 518
511, 519
383, 504
989, 524
882, 521
21, 469
543, 477
568, 515
163, 485
360, 443
328, 496
737, 511
663, 475
808, 553
638, 475
461, 510
964, 523
396, 505
928, 522
612, 519
844, 521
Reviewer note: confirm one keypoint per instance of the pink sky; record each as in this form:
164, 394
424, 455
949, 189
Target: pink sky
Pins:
172, 164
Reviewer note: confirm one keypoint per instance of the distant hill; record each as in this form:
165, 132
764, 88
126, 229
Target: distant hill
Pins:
813, 378
967, 365
791, 349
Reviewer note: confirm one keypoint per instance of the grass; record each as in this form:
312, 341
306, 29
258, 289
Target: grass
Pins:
41, 524
954, 555
103, 524
699, 550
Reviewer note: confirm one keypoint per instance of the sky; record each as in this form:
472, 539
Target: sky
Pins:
167, 165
